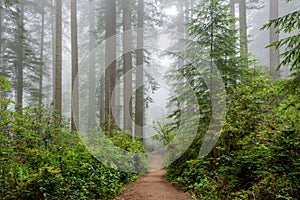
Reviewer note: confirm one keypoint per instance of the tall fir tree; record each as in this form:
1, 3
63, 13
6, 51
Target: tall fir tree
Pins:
212, 45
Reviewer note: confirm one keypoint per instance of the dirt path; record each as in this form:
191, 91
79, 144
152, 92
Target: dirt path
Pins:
153, 186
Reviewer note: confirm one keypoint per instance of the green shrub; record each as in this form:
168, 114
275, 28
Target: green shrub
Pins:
258, 153
40, 160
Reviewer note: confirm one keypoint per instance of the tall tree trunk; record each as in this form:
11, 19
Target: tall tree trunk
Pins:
119, 107
212, 45
110, 58
102, 98
53, 33
139, 101
41, 55
274, 37
20, 57
75, 83
1, 4
58, 59
232, 7
92, 64
181, 27
127, 68
243, 27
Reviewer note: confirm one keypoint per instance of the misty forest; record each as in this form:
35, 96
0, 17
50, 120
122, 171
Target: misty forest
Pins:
132, 99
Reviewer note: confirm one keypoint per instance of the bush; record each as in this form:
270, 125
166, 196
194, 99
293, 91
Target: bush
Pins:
40, 160
65, 172
258, 153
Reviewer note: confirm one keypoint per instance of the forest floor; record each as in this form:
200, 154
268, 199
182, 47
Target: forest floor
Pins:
153, 186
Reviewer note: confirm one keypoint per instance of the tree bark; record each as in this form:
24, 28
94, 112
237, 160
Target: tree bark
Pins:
58, 59
53, 37
274, 37
110, 59
102, 99
139, 101
75, 83
181, 28
232, 7
20, 57
243, 27
1, 4
119, 107
41, 55
92, 64
127, 68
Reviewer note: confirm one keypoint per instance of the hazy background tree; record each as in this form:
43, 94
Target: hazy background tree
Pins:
75, 83
92, 65
110, 57
58, 58
1, 30
243, 27
41, 72
20, 56
232, 4
274, 37
127, 63
39, 54
139, 102
213, 43
290, 54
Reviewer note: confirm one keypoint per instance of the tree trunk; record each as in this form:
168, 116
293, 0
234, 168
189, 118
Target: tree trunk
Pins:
20, 57
181, 28
110, 59
53, 33
274, 37
75, 83
92, 64
1, 4
212, 45
41, 56
58, 59
232, 7
102, 98
243, 27
127, 68
118, 92
139, 101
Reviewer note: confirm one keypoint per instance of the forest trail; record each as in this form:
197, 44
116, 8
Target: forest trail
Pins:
153, 186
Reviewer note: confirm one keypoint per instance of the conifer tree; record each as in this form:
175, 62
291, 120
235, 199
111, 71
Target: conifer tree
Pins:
291, 54
213, 42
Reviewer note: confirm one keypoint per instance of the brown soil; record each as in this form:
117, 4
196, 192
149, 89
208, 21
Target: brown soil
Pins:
153, 186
